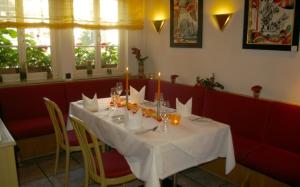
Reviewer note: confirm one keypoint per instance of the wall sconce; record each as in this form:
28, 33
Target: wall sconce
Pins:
158, 24
222, 20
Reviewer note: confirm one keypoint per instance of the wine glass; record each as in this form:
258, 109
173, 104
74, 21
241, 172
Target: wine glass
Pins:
156, 99
164, 114
113, 95
119, 88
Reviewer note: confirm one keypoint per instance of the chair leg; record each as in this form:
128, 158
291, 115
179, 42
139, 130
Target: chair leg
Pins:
56, 159
67, 167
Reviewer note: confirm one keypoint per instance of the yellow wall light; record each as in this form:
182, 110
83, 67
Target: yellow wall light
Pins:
222, 20
158, 24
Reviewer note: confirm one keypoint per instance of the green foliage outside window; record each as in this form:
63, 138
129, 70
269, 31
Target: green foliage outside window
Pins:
8, 54
83, 55
110, 55
36, 56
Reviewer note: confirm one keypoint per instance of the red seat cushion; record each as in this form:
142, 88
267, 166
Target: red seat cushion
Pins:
73, 139
115, 164
277, 163
31, 127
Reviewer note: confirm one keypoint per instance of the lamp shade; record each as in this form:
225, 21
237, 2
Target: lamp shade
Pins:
158, 24
222, 20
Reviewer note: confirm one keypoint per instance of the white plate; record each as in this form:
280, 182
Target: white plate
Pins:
118, 118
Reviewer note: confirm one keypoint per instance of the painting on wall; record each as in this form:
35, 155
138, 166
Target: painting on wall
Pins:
186, 23
271, 25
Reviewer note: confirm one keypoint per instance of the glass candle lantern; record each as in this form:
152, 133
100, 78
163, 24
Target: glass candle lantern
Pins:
174, 119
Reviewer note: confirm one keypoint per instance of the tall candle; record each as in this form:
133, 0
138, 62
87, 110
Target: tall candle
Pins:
158, 86
126, 78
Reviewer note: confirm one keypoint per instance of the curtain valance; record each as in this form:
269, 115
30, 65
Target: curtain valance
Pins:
57, 14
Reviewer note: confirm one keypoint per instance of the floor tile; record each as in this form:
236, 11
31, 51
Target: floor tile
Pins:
204, 178
76, 178
29, 172
184, 181
47, 164
44, 182
39, 172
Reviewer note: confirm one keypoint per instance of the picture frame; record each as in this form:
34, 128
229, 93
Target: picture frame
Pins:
271, 25
186, 23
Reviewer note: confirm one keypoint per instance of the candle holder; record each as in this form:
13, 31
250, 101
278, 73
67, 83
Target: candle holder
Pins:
174, 119
126, 92
158, 109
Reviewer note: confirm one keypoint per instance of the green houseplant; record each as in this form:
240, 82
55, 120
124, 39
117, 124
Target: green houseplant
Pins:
140, 59
209, 82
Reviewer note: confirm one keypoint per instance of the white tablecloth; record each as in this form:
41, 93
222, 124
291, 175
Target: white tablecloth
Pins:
157, 155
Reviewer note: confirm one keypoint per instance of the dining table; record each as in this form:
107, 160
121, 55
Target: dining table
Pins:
152, 153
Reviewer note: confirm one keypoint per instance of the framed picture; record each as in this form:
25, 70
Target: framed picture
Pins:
186, 23
271, 25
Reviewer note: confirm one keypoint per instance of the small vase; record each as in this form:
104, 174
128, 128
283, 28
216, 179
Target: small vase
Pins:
108, 71
23, 76
141, 70
89, 68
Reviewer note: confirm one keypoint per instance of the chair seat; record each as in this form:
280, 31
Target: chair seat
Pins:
73, 140
114, 164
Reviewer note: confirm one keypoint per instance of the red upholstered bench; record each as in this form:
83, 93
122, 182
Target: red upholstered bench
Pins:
23, 110
279, 157
265, 133
182, 92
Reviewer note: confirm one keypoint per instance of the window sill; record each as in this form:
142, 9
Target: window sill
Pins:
58, 80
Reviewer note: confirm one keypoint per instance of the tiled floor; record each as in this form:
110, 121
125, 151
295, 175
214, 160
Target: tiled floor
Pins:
40, 172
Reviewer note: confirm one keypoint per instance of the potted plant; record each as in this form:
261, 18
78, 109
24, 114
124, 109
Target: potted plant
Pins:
209, 83
140, 59
256, 90
22, 71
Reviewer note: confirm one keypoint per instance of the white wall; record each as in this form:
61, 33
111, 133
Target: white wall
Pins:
236, 68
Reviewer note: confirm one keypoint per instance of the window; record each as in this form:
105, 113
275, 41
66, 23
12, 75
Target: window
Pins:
38, 55
8, 51
36, 35
96, 48
28, 48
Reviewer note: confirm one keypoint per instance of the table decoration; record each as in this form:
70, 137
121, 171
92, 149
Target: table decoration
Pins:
184, 109
174, 119
158, 97
90, 104
126, 85
137, 96
133, 120
140, 59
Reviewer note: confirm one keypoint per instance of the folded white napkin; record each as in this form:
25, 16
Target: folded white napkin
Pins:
133, 121
137, 96
184, 110
90, 104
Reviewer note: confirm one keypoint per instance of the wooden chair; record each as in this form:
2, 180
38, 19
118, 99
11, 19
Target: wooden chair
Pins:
106, 168
65, 139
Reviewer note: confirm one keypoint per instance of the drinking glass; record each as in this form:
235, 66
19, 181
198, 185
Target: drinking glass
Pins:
161, 98
119, 88
113, 95
164, 114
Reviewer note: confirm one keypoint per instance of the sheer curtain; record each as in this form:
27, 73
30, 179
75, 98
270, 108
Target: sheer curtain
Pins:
61, 14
